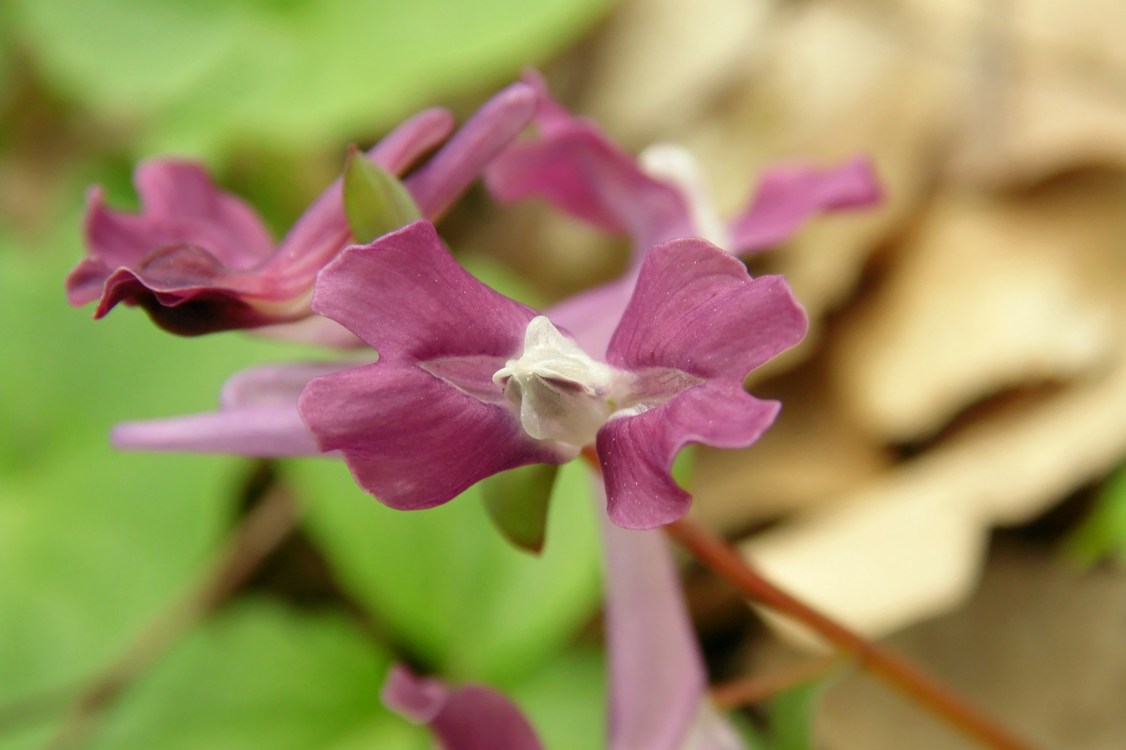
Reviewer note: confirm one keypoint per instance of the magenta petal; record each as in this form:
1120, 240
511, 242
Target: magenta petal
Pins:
696, 309
466, 718
657, 679
447, 175
789, 196
582, 173
180, 206
412, 439
407, 297
572, 164
637, 452
322, 231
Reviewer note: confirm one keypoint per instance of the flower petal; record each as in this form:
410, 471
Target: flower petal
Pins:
696, 309
257, 417
180, 206
447, 175
264, 431
412, 439
657, 679
572, 164
188, 291
407, 297
322, 231
592, 316
787, 197
637, 452
473, 717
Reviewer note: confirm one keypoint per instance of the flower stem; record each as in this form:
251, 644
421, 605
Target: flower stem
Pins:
746, 691
717, 555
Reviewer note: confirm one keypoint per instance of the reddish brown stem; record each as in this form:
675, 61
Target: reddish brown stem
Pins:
747, 691
717, 555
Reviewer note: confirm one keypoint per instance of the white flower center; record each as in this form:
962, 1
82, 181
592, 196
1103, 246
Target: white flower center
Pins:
561, 392
677, 167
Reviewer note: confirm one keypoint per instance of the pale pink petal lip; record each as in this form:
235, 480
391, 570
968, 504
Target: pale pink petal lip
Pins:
259, 432
257, 417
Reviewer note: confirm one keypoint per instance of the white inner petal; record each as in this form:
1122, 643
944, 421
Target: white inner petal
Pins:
675, 166
561, 392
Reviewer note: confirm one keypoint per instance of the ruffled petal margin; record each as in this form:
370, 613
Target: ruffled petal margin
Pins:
637, 452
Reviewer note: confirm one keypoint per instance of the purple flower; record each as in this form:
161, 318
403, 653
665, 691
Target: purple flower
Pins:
662, 196
472, 717
571, 163
658, 686
470, 383
200, 260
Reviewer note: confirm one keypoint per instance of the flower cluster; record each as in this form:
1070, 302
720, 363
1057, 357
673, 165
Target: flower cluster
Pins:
461, 382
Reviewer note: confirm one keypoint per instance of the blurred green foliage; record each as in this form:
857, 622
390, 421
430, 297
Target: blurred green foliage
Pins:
1102, 535
94, 544
445, 583
197, 76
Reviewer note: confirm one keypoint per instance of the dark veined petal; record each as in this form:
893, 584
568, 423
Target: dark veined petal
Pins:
472, 717
180, 205
637, 452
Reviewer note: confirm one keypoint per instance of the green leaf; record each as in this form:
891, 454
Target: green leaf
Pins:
95, 542
446, 585
375, 202
1102, 534
199, 77
261, 676
791, 716
566, 699
517, 501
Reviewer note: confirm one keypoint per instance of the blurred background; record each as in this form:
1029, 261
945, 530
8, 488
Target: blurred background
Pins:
945, 472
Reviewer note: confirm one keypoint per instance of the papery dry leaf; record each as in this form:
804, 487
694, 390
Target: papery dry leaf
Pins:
811, 453
664, 59
1039, 647
988, 294
908, 546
